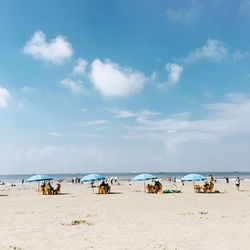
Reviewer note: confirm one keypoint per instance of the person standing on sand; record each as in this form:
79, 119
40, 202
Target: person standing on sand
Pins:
237, 183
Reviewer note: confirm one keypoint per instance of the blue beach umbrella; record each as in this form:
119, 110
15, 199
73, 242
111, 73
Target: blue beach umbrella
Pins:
92, 177
39, 177
144, 177
193, 177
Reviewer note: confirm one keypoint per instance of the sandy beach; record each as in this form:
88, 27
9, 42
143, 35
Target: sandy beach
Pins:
126, 219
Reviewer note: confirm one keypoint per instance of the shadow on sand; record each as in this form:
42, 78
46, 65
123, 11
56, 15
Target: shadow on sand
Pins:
111, 193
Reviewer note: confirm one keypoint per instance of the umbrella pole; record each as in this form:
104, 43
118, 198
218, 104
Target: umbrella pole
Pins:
144, 187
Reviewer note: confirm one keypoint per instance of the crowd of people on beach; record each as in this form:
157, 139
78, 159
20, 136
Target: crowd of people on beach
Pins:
153, 187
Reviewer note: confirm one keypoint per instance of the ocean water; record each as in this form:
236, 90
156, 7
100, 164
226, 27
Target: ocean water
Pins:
127, 176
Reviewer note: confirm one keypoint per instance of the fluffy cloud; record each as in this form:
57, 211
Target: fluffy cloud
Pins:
222, 120
75, 87
4, 97
213, 50
55, 51
80, 67
55, 134
114, 81
174, 72
94, 123
121, 113
29, 90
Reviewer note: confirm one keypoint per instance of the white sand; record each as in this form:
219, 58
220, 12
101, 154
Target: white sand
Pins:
126, 220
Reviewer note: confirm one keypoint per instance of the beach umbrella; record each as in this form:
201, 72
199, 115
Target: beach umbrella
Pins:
193, 177
38, 178
144, 177
92, 177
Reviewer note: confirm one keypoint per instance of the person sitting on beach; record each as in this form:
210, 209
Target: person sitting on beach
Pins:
103, 184
157, 186
58, 188
149, 188
50, 188
106, 186
43, 187
206, 186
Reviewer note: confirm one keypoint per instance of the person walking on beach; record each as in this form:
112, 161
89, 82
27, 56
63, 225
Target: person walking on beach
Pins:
237, 183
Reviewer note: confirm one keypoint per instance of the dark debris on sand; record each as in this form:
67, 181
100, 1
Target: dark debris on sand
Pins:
78, 222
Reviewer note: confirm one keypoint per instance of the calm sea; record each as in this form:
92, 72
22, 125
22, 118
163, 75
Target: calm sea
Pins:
128, 176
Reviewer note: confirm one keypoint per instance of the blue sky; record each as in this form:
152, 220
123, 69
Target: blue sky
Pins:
102, 86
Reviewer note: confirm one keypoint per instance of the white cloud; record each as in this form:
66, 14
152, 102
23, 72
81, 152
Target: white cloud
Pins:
114, 81
76, 87
238, 55
28, 90
4, 97
55, 51
91, 136
174, 72
121, 113
55, 134
222, 120
94, 123
80, 67
213, 50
